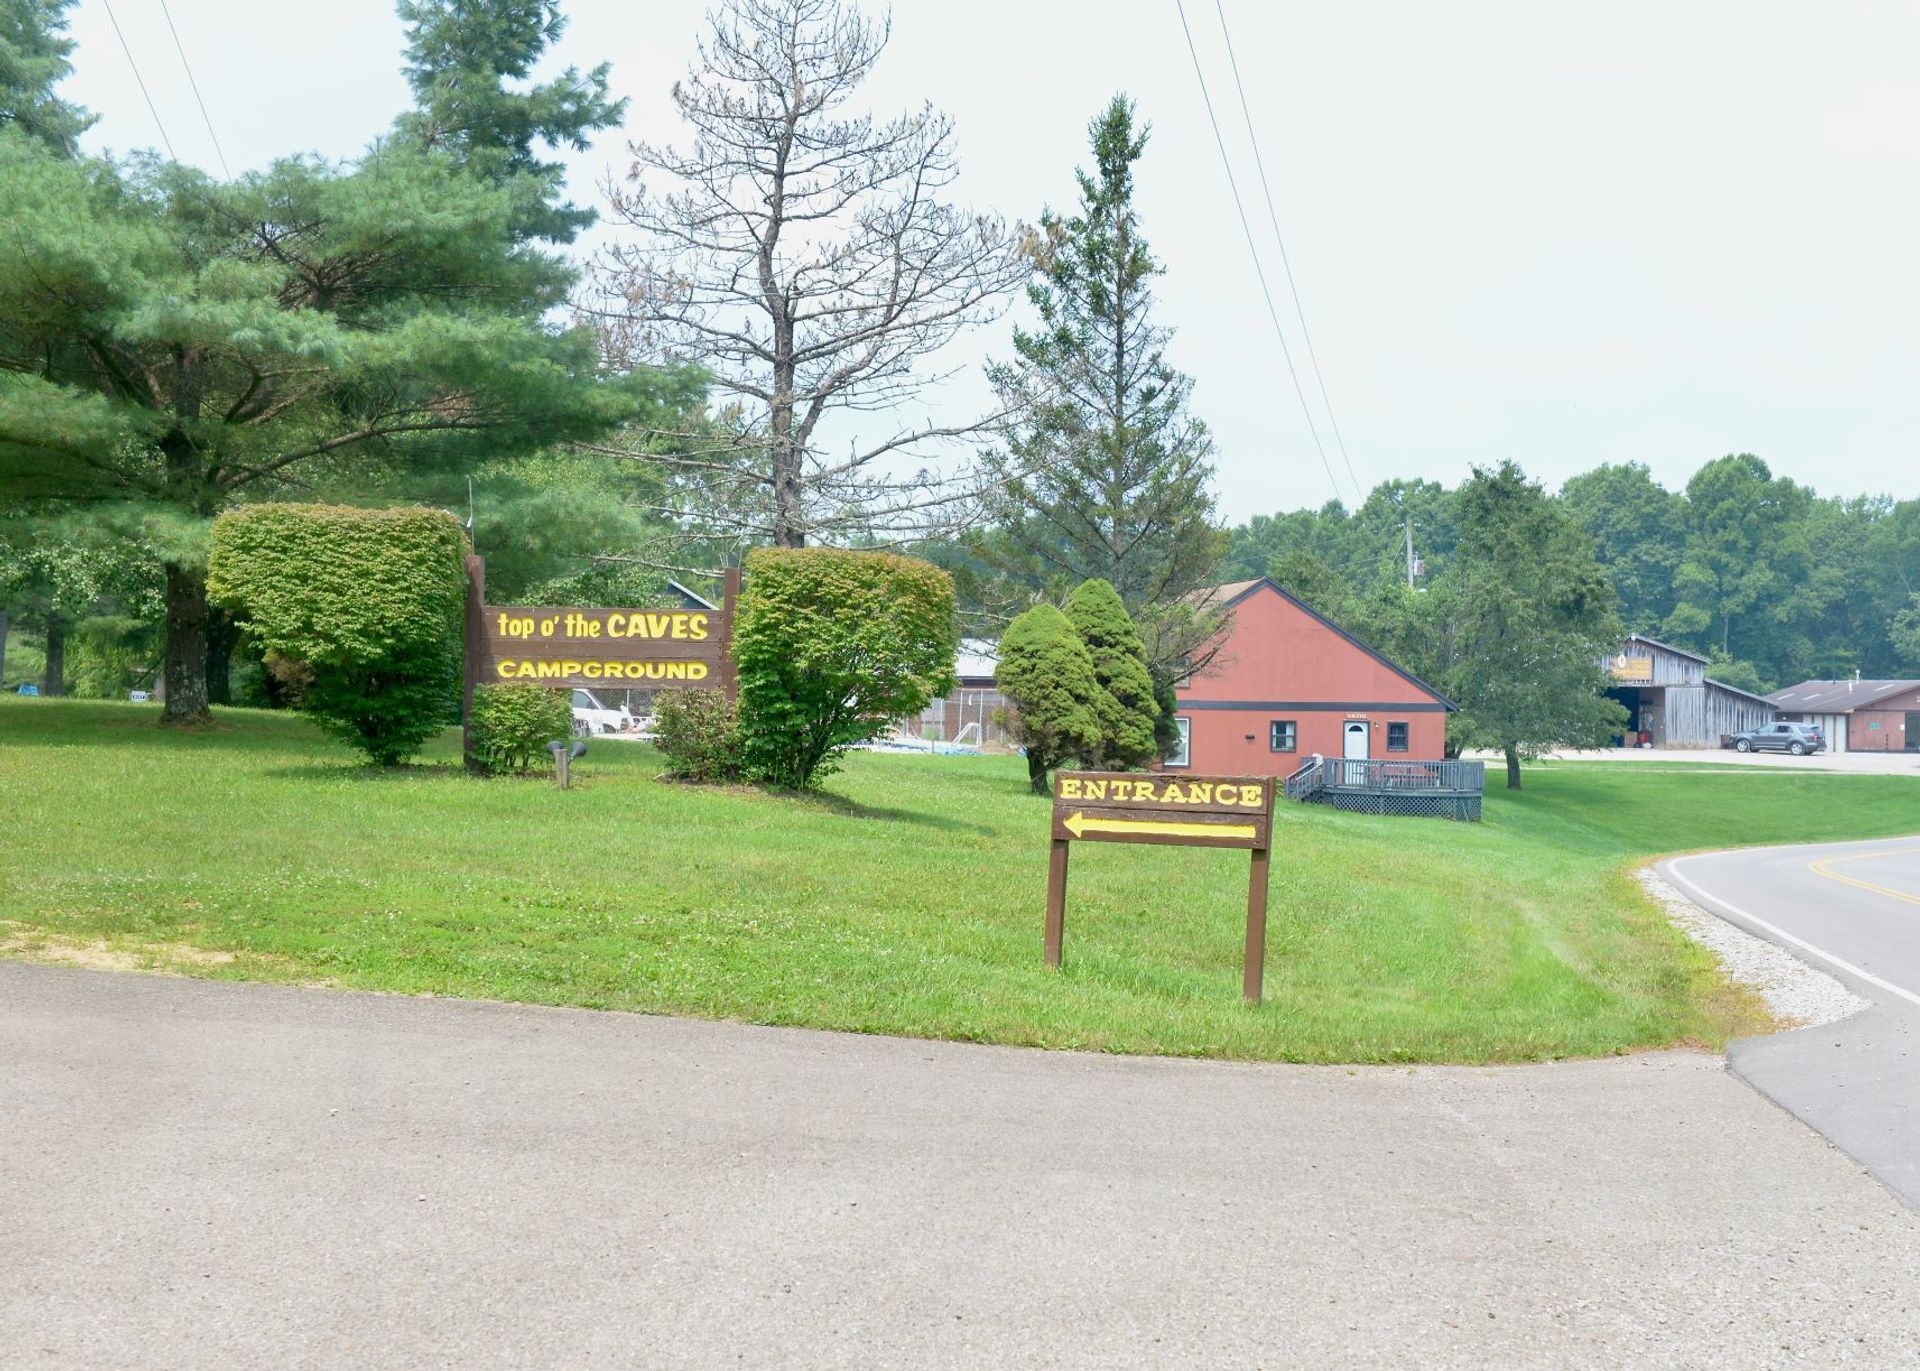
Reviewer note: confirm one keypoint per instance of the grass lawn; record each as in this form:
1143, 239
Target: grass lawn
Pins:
908, 900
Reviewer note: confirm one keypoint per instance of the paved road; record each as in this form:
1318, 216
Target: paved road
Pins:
198, 1174
1852, 909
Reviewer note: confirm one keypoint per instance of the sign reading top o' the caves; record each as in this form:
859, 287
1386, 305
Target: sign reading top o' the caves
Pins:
562, 646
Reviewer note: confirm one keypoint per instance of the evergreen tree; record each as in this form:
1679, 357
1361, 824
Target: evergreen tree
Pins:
461, 55
34, 49
1128, 704
179, 344
1104, 474
1045, 670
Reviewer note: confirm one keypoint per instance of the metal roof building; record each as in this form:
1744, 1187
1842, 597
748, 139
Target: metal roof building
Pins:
1856, 716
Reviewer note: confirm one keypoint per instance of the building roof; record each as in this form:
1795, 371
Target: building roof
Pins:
694, 599
1228, 595
1665, 647
1836, 697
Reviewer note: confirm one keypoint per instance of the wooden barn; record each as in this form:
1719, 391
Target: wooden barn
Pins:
1672, 702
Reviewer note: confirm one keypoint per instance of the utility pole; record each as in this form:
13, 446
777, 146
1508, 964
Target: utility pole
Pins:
1410, 561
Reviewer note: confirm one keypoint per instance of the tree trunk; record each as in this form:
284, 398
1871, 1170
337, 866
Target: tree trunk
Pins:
1513, 767
185, 668
53, 681
1036, 771
222, 634
3, 649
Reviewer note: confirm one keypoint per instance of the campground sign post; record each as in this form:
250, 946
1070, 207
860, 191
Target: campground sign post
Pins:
567, 646
1168, 809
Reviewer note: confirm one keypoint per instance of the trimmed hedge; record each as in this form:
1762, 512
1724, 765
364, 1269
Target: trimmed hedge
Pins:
513, 722
832, 647
1046, 671
1127, 704
368, 600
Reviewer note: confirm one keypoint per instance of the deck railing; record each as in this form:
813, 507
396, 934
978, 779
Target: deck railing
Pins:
1449, 790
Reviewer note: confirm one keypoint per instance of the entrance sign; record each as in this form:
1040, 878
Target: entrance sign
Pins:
1172, 810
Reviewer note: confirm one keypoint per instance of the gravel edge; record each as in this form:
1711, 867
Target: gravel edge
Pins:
1799, 995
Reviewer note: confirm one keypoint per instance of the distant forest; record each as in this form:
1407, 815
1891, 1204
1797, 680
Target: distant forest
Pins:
1772, 581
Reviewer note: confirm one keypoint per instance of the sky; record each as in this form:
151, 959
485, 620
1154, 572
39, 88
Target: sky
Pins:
1562, 235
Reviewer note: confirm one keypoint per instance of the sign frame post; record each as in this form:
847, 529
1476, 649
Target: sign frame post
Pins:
1165, 809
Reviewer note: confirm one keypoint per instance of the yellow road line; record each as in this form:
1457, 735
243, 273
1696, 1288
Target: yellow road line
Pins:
1824, 867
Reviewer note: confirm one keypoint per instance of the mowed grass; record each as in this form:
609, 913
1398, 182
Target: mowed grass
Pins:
907, 900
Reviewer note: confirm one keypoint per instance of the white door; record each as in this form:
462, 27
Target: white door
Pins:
1355, 742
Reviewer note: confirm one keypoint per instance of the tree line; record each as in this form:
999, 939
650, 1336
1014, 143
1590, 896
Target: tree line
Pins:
1770, 580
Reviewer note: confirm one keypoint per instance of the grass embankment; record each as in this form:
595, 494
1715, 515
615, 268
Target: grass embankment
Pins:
907, 901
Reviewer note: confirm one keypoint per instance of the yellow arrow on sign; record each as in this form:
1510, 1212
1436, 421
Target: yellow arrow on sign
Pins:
1079, 825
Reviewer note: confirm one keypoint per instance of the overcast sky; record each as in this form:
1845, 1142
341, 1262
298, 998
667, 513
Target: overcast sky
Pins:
1564, 235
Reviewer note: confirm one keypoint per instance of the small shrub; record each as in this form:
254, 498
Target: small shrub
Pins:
832, 647
367, 602
1045, 670
698, 732
514, 722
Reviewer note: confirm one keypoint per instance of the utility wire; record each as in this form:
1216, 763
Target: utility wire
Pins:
1259, 272
112, 18
1273, 218
219, 152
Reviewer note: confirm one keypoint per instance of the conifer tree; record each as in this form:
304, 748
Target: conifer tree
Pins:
34, 49
1104, 473
1046, 672
461, 54
1127, 703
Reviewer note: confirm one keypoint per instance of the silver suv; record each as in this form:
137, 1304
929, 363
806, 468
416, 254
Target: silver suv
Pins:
1799, 739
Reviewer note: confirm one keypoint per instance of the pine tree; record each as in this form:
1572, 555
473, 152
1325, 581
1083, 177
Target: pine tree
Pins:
460, 56
1104, 473
34, 49
1127, 704
175, 345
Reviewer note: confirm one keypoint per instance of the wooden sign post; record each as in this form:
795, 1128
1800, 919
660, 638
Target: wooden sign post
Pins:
1168, 809
565, 646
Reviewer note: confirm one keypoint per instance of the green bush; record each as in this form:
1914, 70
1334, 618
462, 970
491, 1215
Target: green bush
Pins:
513, 723
1046, 672
368, 601
833, 646
698, 732
1127, 705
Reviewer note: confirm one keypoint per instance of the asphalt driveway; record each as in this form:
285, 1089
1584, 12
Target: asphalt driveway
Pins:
202, 1174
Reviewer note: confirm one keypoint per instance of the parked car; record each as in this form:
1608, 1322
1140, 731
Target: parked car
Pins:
1799, 739
591, 716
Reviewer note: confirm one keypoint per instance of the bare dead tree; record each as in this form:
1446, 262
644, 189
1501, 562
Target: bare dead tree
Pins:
804, 256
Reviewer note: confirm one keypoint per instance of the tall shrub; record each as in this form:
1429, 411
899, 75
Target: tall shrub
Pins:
1046, 672
1127, 705
364, 602
832, 646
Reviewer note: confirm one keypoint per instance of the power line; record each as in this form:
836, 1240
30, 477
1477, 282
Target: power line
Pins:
1273, 218
112, 18
1259, 272
225, 171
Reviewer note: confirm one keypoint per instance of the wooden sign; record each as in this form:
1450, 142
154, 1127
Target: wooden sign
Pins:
1171, 809
564, 646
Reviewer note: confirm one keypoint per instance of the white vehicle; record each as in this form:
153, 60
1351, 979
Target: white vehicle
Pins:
590, 716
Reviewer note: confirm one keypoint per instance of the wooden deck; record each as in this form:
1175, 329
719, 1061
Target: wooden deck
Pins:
1436, 790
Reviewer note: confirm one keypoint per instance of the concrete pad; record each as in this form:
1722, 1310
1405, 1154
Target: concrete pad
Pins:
203, 1174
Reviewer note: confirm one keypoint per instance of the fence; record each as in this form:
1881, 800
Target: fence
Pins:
1441, 790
